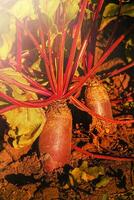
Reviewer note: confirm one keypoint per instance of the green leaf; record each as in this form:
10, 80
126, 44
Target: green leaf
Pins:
22, 9
128, 10
71, 9
129, 48
76, 173
105, 22
96, 171
105, 196
111, 10
110, 13
49, 7
103, 182
84, 166
86, 173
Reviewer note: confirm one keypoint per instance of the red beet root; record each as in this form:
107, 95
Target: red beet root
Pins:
55, 140
97, 98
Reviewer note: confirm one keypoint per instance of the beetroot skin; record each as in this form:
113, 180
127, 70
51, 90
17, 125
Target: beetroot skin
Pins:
55, 140
97, 98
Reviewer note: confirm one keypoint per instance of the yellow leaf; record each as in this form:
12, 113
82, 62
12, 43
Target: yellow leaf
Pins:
96, 171
4, 90
105, 22
14, 75
72, 9
86, 177
84, 166
49, 7
17, 93
7, 40
103, 182
22, 9
26, 124
66, 186
76, 173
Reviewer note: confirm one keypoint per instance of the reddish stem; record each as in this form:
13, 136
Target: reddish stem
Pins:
109, 51
104, 157
99, 7
19, 48
95, 68
33, 104
51, 63
61, 63
35, 41
80, 55
87, 39
114, 28
31, 81
49, 67
11, 100
8, 108
68, 71
76, 102
23, 86
42, 37
42, 54
114, 102
121, 70
94, 35
37, 85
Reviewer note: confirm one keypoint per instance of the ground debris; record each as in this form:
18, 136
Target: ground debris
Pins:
12, 192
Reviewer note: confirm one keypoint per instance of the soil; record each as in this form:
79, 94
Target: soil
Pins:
21, 172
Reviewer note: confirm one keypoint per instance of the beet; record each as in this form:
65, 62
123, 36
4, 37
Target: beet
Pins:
55, 140
97, 98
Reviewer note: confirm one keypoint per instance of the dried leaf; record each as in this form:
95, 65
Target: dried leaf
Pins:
85, 173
